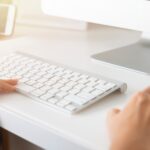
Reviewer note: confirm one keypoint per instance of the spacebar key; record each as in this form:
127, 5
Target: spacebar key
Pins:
24, 88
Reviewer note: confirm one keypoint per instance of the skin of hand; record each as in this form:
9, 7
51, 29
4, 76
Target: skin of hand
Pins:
129, 129
7, 86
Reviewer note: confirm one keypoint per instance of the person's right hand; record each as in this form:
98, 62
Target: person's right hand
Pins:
7, 86
129, 129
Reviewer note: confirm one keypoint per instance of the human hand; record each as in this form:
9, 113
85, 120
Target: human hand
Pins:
129, 129
7, 86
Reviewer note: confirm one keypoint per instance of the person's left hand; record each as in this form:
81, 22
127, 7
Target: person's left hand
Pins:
7, 86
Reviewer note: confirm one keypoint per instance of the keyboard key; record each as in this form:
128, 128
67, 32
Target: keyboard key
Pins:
27, 75
71, 84
60, 69
105, 87
45, 88
51, 71
24, 80
97, 92
75, 99
38, 85
103, 82
100, 87
76, 74
42, 80
75, 79
83, 81
67, 76
46, 96
53, 100
84, 76
68, 71
57, 85
63, 81
35, 77
37, 92
74, 91
79, 86
41, 73
50, 82
92, 79
53, 91
61, 94
59, 74
30, 82
48, 76
71, 107
55, 78
86, 96
52, 67
66, 88
63, 103
88, 89
91, 84
25, 88
110, 85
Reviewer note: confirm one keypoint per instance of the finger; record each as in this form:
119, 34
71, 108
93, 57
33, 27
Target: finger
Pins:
140, 102
11, 82
133, 100
7, 88
143, 102
147, 90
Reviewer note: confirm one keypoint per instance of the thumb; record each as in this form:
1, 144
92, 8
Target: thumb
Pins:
11, 82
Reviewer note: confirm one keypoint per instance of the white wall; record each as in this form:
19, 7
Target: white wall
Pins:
30, 7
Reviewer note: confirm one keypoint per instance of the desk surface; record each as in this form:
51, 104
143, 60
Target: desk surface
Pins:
36, 122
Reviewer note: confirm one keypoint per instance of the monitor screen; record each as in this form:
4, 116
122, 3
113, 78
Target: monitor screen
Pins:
119, 13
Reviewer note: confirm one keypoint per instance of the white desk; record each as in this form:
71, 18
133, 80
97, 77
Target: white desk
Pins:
51, 130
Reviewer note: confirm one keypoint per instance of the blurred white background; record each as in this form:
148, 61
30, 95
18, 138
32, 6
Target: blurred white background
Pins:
30, 13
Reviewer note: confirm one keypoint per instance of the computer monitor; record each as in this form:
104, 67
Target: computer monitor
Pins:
129, 14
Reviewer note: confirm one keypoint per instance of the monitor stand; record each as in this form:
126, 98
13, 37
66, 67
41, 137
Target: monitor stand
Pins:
135, 57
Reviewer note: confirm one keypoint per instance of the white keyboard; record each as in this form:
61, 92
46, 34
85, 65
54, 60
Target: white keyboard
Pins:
56, 86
